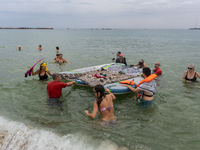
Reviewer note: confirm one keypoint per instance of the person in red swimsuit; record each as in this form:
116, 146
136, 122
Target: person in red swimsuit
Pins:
157, 70
54, 89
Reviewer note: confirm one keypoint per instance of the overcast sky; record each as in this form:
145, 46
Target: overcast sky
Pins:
134, 14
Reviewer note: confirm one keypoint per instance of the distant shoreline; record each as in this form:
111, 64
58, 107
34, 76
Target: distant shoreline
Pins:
24, 28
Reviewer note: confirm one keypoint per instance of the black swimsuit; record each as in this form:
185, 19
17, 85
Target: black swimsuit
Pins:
44, 77
193, 79
60, 62
123, 61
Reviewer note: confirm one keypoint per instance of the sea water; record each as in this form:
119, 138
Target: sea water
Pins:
26, 122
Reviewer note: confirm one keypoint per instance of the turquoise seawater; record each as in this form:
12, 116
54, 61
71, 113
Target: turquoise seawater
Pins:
171, 123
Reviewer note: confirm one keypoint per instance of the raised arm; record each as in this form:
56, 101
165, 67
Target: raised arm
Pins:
94, 112
34, 73
112, 95
49, 73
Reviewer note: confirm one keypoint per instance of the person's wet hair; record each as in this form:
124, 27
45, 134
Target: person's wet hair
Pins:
141, 61
193, 66
146, 71
99, 88
57, 48
57, 54
55, 76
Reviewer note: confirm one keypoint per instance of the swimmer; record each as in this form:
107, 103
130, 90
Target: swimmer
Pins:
141, 64
19, 48
40, 47
191, 75
54, 89
104, 104
57, 49
121, 59
157, 70
43, 72
56, 58
61, 60
117, 55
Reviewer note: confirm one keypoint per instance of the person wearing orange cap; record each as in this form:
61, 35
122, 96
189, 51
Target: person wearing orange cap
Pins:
121, 59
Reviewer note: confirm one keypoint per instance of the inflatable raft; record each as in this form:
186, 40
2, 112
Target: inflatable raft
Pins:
77, 75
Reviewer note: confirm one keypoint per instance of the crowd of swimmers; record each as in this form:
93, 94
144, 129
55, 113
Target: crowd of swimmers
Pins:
104, 102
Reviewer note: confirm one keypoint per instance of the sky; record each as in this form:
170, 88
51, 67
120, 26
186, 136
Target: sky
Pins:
119, 14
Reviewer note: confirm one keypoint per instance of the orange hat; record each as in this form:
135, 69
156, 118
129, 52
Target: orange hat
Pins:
120, 54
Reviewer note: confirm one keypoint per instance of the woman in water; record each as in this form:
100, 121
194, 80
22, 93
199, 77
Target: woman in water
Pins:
61, 60
191, 75
104, 104
121, 59
43, 72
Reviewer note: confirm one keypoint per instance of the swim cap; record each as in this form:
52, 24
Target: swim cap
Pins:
121, 55
43, 65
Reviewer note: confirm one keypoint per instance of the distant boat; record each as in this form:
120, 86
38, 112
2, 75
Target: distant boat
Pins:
194, 28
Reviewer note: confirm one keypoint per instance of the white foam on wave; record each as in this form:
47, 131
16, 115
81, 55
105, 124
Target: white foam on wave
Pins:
17, 136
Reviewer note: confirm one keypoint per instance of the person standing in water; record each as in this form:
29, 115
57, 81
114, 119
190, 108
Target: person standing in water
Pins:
104, 104
141, 64
54, 89
121, 59
40, 47
61, 60
57, 49
157, 70
146, 88
19, 48
191, 75
43, 72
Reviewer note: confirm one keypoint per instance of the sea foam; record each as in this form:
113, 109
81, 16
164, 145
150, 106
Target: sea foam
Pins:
18, 136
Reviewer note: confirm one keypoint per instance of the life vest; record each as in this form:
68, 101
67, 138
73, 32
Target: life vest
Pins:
128, 82
148, 79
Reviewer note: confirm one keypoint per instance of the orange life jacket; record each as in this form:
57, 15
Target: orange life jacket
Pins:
128, 82
148, 79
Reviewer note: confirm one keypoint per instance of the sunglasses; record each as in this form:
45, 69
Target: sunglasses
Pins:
190, 68
156, 64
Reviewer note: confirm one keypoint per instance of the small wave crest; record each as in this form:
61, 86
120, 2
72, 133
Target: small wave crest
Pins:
15, 135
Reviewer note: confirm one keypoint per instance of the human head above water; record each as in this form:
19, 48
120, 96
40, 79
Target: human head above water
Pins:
99, 88
192, 66
141, 61
118, 53
157, 65
19, 47
146, 71
56, 76
57, 48
43, 66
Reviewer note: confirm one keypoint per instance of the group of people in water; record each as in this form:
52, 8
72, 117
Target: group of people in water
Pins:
104, 103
